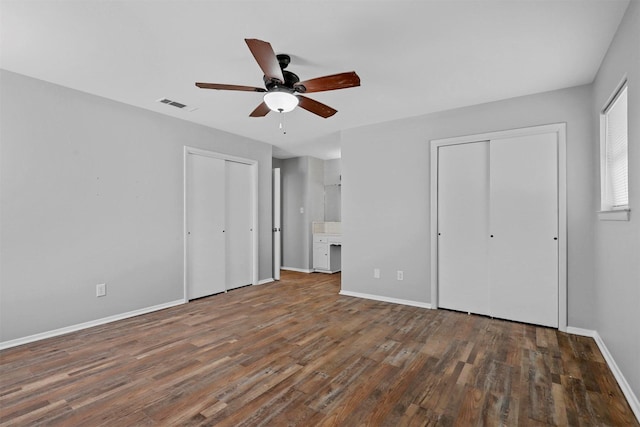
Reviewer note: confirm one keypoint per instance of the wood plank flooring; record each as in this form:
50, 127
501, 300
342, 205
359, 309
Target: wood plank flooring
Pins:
294, 352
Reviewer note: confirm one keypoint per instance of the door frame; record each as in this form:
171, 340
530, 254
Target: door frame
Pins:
253, 164
277, 223
561, 131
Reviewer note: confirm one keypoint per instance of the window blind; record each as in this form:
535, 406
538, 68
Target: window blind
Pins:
616, 160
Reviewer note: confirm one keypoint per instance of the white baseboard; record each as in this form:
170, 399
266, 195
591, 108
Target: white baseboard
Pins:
67, 329
582, 332
326, 271
386, 299
299, 270
632, 399
265, 281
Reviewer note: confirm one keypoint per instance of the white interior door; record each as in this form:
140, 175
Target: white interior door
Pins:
205, 257
523, 266
463, 226
277, 251
239, 223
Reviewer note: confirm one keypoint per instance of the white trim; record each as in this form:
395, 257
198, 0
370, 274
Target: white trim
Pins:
299, 270
563, 301
604, 205
580, 331
276, 246
614, 95
253, 164
433, 228
386, 299
265, 281
632, 399
254, 222
561, 130
618, 215
318, 270
509, 133
85, 325
603, 155
222, 156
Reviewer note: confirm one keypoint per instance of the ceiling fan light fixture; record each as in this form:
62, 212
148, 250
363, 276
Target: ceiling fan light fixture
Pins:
281, 85
280, 102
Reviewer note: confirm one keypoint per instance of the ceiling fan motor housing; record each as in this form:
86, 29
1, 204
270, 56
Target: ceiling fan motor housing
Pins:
282, 86
290, 79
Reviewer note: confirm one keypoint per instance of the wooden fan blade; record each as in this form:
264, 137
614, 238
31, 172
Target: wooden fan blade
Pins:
266, 59
260, 111
315, 107
333, 82
229, 87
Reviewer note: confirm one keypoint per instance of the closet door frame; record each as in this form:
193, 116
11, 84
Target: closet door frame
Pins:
560, 130
254, 207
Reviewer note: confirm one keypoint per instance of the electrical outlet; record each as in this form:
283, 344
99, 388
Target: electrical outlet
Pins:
400, 275
376, 273
101, 289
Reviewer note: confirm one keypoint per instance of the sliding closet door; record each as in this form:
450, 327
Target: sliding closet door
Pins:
238, 225
205, 189
463, 179
523, 261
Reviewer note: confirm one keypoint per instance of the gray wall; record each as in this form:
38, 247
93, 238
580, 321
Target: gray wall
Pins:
617, 244
332, 171
293, 174
385, 193
92, 192
315, 201
332, 190
302, 187
386, 199
276, 163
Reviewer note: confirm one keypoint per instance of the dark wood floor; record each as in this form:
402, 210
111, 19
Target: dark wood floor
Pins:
296, 353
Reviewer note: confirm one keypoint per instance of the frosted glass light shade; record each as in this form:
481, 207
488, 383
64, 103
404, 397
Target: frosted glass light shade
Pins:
281, 101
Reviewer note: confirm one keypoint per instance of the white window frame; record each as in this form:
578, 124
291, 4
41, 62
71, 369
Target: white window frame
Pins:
608, 210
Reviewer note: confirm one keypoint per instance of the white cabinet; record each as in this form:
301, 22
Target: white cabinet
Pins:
320, 256
326, 253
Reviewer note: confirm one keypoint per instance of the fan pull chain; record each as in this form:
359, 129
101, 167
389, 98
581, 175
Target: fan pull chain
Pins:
282, 123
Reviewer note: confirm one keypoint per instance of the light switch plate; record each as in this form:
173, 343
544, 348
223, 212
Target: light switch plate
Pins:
101, 289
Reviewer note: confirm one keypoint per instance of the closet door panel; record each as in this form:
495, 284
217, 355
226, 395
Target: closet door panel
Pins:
523, 260
463, 226
238, 230
205, 226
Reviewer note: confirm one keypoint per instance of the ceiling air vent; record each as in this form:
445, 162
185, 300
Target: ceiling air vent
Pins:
176, 104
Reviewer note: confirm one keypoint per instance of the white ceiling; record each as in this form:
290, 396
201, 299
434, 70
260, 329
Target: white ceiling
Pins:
413, 57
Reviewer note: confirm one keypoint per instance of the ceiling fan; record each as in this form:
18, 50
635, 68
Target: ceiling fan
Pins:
284, 88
